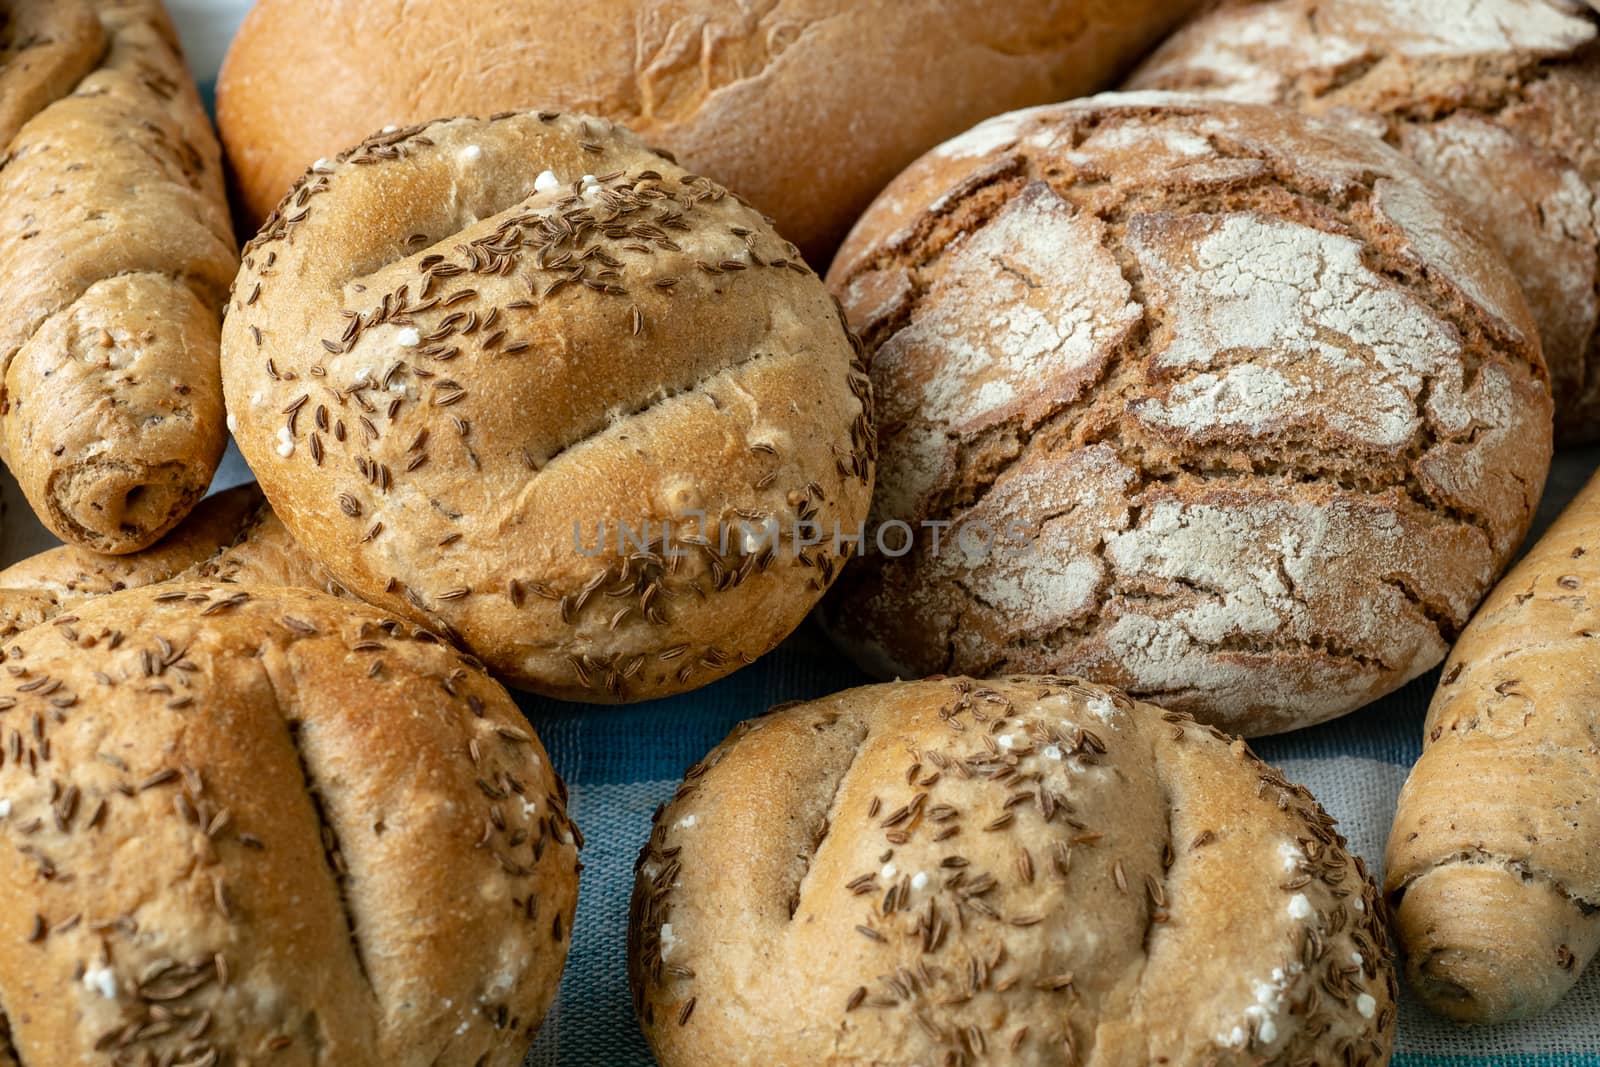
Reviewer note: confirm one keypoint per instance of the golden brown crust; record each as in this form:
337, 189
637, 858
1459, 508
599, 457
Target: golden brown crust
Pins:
505, 365
952, 872
231, 537
327, 836
757, 96
1128, 337
1499, 102
1494, 858
115, 254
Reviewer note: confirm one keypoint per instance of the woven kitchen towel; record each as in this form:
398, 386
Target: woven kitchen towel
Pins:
620, 763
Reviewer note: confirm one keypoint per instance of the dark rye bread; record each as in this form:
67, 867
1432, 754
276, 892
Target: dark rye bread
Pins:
1269, 416
249, 825
1498, 99
459, 349
1026, 871
116, 250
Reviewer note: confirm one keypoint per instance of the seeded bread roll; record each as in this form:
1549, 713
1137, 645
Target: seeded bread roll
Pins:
480, 366
1494, 857
1252, 417
115, 255
1032, 871
807, 107
231, 537
349, 846
1500, 100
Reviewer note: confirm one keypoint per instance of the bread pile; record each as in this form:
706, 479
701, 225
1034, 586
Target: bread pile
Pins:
1237, 399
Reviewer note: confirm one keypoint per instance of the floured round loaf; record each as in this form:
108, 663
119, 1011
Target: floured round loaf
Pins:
245, 825
1030, 871
1500, 100
1254, 418
530, 383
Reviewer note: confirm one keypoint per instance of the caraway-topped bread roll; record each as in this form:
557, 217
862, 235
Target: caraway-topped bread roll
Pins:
1029, 871
807, 107
261, 826
1499, 99
230, 537
531, 383
1217, 403
1494, 858
116, 251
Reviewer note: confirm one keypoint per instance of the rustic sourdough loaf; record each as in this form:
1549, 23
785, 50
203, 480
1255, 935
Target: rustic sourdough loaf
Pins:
480, 366
1254, 417
116, 252
253, 825
808, 107
230, 537
1500, 100
1032, 871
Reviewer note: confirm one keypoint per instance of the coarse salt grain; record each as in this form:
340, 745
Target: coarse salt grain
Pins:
1300, 907
102, 981
408, 337
920, 880
1366, 1005
470, 153
285, 442
546, 182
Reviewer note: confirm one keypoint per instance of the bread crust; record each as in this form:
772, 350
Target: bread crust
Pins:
1127, 336
115, 253
258, 825
807, 107
506, 364
1034, 869
231, 537
1494, 857
1499, 102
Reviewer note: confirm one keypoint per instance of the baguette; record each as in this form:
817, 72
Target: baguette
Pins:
116, 252
1494, 858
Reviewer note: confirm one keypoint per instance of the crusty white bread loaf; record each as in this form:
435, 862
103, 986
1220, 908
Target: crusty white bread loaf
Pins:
807, 107
1029, 871
231, 537
1498, 99
1252, 416
258, 826
1494, 858
116, 251
529, 382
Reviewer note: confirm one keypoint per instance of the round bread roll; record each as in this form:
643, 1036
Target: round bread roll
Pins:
252, 825
230, 537
807, 107
1032, 871
1212, 402
528, 382
1500, 100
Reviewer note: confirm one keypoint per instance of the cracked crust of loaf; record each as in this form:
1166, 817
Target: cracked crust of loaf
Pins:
350, 847
1039, 869
1498, 99
231, 537
1254, 418
1494, 859
116, 250
807, 107
561, 330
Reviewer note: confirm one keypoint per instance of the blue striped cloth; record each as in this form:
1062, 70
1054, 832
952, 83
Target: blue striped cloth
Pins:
622, 762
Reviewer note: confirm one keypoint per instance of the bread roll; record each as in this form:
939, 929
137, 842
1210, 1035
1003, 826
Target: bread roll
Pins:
1029, 871
480, 366
231, 537
1494, 859
115, 255
253, 825
1500, 100
807, 107
1252, 417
